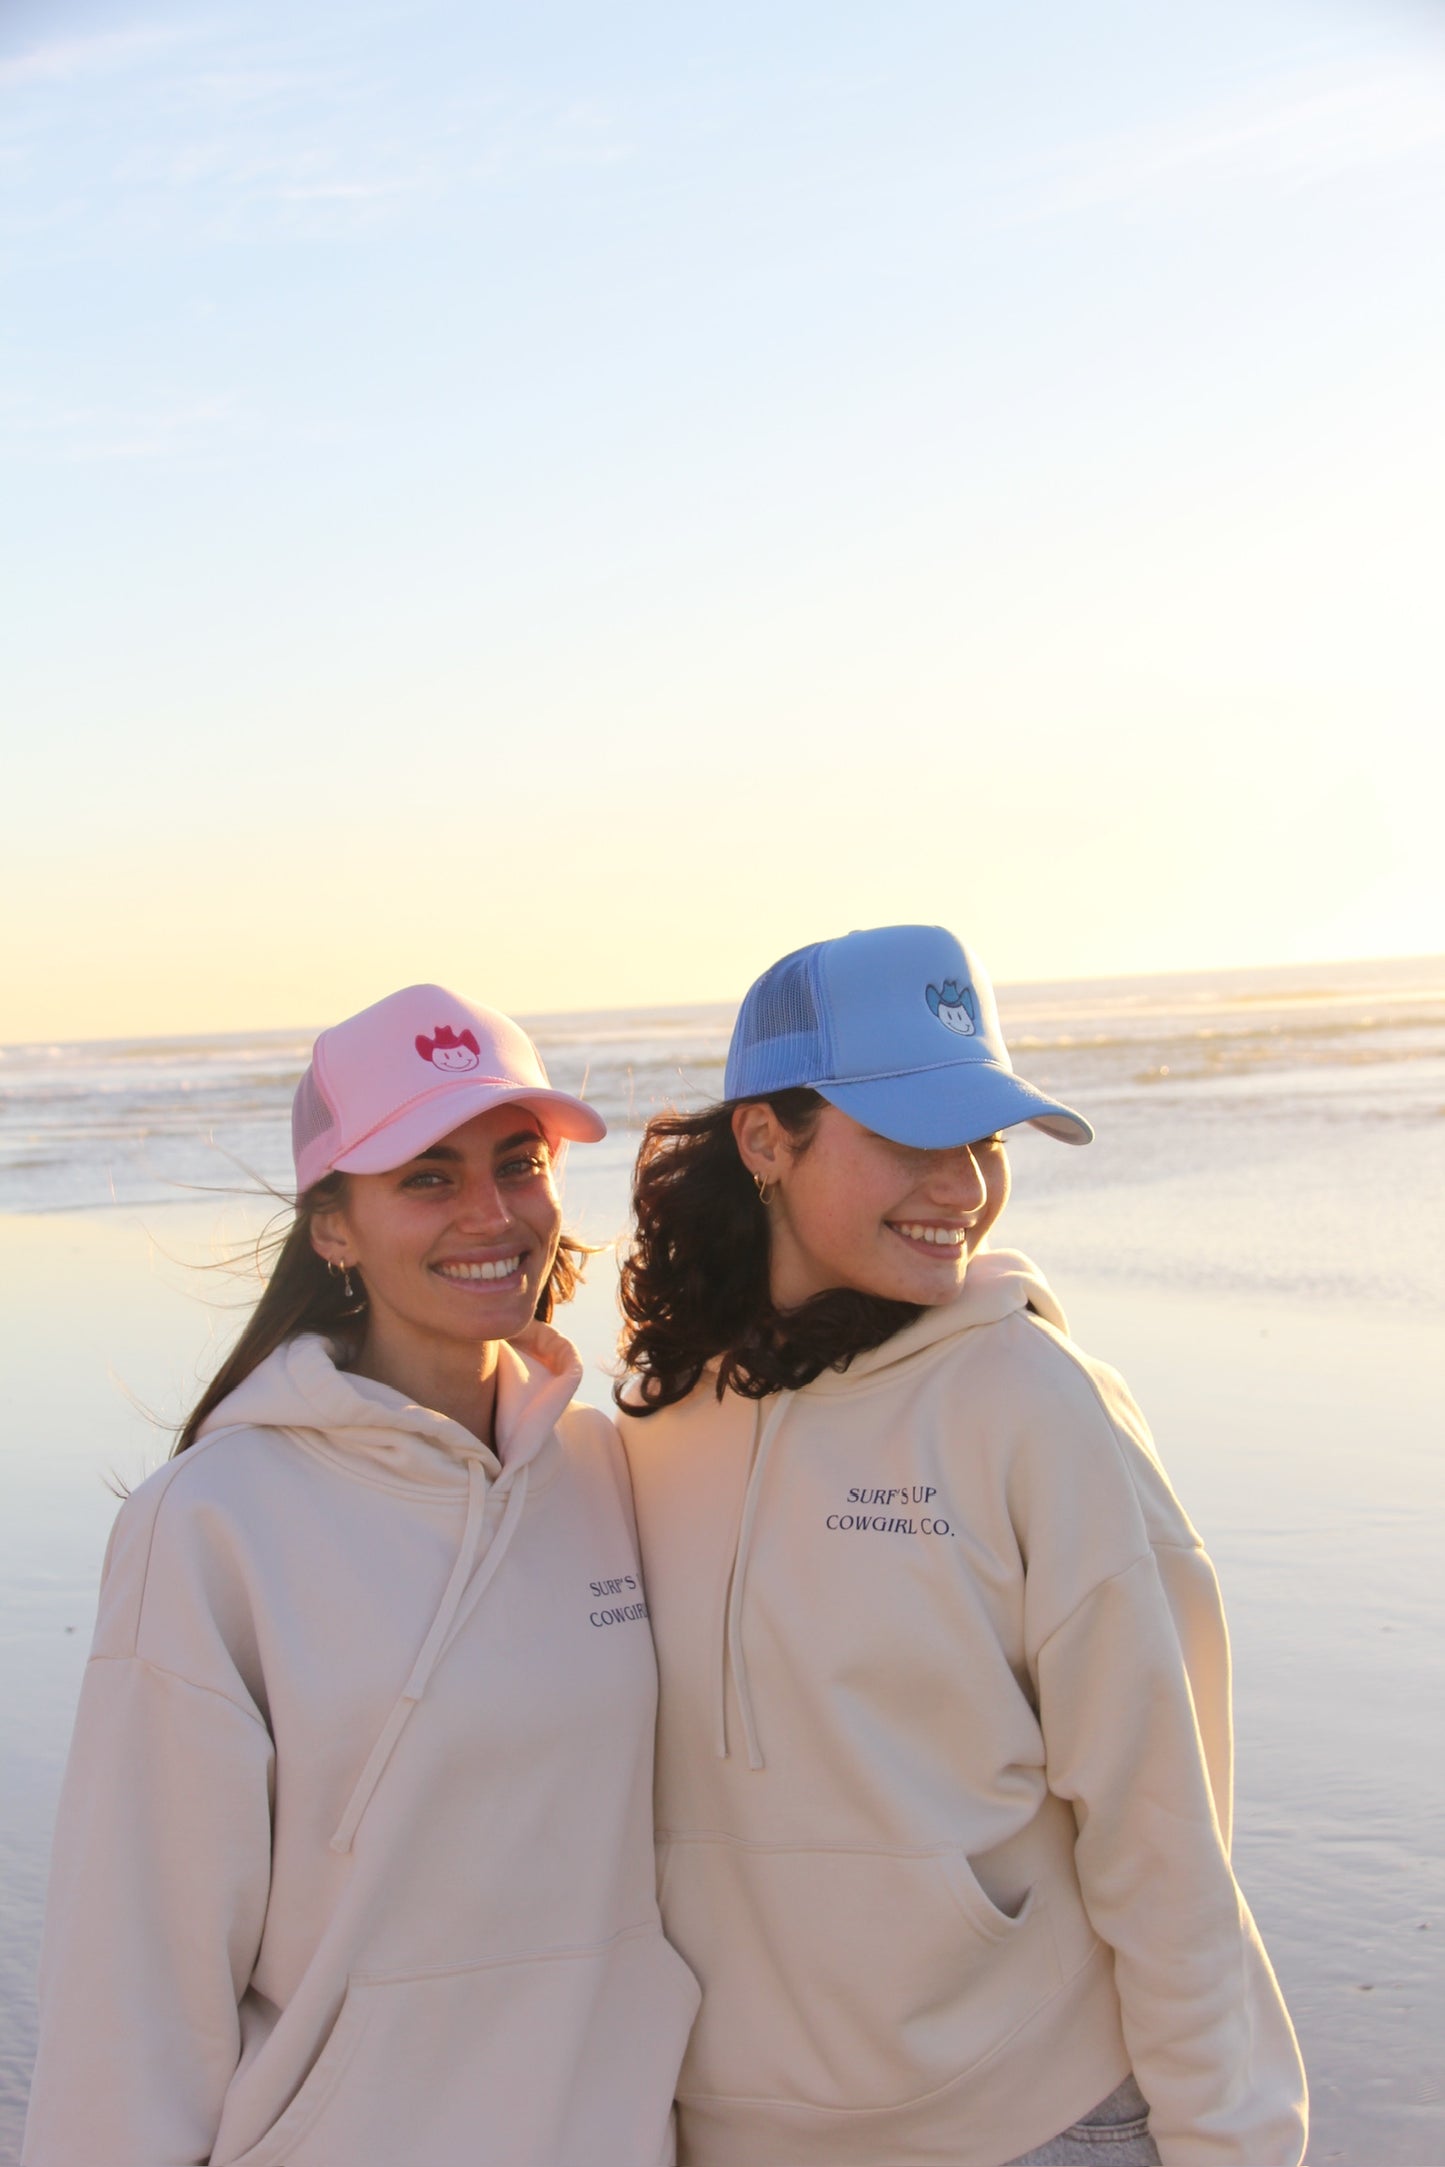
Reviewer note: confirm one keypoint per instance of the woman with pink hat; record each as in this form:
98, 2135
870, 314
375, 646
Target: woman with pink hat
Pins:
354, 1863
943, 1789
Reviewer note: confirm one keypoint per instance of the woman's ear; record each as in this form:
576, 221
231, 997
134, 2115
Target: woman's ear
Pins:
331, 1237
761, 1139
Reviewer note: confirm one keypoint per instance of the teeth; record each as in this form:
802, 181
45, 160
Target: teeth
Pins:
502, 1269
942, 1237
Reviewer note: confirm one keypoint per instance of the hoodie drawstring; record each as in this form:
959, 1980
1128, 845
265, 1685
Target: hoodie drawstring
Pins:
765, 1432
477, 1587
461, 1588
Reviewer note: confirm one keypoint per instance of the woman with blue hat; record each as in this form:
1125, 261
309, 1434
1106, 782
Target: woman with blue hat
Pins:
943, 1784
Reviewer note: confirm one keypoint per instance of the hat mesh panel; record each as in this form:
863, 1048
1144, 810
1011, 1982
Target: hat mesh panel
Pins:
778, 1040
782, 1004
311, 1117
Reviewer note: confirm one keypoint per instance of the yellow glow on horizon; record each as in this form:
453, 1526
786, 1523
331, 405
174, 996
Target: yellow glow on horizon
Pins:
235, 957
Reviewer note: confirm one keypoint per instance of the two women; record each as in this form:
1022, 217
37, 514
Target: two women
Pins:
351, 1865
354, 1858
943, 1788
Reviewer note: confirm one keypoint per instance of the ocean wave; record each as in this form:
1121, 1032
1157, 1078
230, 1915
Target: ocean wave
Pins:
125, 1119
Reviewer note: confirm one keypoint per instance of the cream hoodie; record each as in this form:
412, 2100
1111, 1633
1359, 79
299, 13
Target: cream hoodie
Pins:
944, 1763
353, 1865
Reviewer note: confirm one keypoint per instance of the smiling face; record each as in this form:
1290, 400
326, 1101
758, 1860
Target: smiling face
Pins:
455, 1246
853, 1210
957, 1018
453, 1059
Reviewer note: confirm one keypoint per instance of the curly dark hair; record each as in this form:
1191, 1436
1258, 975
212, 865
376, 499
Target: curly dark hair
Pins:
695, 1280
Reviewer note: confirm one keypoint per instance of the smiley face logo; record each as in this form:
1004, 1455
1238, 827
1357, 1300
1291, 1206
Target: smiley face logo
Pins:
449, 1050
955, 1007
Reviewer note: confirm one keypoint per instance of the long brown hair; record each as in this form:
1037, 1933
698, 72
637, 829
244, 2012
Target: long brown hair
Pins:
302, 1295
695, 1281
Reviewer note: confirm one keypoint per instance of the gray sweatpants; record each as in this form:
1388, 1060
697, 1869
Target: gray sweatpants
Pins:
1115, 2134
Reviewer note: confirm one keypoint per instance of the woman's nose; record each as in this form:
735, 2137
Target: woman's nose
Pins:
483, 1206
959, 1181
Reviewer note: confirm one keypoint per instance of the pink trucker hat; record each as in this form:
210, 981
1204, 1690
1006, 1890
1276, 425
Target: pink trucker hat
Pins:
385, 1084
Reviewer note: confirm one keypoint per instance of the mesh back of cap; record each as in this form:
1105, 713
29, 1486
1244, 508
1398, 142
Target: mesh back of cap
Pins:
311, 1117
779, 1039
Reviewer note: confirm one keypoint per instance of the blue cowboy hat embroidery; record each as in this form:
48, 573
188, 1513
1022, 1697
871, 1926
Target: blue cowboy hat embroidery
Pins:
955, 1006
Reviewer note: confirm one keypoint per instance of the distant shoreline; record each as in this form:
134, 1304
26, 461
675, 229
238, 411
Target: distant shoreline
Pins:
1312, 976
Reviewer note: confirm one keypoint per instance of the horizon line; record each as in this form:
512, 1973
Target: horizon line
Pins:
542, 1016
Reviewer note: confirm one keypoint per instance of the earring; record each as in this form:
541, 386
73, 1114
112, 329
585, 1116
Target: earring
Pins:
343, 1273
765, 1194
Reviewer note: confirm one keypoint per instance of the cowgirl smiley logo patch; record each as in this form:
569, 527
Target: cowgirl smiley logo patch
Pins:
955, 1006
450, 1050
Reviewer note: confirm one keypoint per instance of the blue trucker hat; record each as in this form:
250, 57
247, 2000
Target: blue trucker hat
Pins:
896, 1027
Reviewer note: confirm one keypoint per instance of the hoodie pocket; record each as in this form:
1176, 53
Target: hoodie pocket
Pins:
845, 1978
563, 2060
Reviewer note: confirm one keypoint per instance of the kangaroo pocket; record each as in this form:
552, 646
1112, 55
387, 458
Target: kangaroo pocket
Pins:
844, 1978
563, 2060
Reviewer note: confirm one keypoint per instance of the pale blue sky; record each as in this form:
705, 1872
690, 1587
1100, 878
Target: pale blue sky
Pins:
575, 500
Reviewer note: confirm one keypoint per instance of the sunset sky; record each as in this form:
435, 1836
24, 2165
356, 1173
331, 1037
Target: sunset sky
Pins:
572, 501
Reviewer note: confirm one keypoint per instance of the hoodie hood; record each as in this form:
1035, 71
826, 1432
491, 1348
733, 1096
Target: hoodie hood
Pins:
999, 1283
299, 1388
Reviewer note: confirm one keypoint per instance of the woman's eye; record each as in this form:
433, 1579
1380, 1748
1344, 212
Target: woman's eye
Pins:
522, 1169
427, 1178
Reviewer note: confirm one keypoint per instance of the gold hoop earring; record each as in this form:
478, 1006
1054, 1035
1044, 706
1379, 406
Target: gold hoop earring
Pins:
765, 1194
343, 1273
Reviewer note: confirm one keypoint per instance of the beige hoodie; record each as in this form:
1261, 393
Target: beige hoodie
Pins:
944, 1763
353, 1864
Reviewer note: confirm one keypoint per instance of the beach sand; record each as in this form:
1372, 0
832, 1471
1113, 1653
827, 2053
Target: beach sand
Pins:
1303, 1439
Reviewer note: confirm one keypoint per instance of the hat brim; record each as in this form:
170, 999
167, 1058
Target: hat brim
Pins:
417, 1127
934, 1109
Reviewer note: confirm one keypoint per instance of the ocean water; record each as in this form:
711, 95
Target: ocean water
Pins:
1254, 1239
1283, 1104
